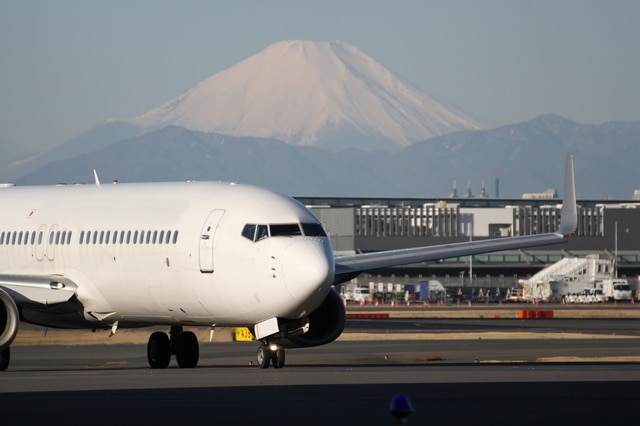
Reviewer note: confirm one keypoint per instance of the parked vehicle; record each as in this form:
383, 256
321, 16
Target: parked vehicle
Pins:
616, 289
358, 295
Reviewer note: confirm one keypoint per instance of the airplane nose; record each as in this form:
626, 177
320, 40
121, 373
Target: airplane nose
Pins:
308, 269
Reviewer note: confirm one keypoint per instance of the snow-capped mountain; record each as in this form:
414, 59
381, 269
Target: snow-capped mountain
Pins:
323, 94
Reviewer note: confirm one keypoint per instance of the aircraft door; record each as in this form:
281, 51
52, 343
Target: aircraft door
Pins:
50, 242
40, 241
207, 236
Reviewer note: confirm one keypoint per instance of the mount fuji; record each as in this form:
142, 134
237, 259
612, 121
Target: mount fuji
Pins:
287, 117
320, 94
326, 95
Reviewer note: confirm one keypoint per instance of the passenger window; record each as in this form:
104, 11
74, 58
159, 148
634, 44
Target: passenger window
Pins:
175, 237
69, 237
81, 236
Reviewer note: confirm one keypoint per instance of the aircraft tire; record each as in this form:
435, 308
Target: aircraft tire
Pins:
264, 356
187, 351
158, 350
277, 358
5, 356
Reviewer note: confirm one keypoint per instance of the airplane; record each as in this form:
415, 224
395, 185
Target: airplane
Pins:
181, 254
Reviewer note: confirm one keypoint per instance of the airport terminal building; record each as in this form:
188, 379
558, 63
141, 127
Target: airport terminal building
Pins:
608, 228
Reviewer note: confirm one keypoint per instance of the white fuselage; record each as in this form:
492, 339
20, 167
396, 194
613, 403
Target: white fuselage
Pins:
167, 253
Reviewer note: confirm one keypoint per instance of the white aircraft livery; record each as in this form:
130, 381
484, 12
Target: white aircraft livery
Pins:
190, 254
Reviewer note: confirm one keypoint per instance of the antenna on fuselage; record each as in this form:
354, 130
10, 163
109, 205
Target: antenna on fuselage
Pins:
95, 176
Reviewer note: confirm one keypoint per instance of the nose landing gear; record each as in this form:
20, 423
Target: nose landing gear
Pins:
270, 354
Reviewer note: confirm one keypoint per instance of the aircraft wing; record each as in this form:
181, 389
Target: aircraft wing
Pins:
347, 267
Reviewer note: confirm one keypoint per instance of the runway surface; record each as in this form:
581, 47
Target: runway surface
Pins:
480, 379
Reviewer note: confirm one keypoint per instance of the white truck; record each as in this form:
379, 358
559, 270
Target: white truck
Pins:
357, 295
616, 289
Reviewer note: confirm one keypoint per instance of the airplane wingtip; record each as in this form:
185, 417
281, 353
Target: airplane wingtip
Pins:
95, 177
569, 212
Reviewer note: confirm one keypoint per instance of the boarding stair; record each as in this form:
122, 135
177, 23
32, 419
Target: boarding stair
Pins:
578, 270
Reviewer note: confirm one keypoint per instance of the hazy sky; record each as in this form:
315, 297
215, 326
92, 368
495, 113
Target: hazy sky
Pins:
67, 65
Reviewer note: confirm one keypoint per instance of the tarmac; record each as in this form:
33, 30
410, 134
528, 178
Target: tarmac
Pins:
31, 335
455, 365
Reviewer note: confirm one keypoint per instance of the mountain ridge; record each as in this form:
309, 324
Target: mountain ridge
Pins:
529, 155
323, 94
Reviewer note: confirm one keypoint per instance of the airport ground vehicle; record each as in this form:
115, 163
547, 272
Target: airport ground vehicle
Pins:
588, 295
357, 295
610, 290
616, 289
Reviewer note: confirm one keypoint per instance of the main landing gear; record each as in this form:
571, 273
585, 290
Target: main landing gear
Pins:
182, 344
270, 354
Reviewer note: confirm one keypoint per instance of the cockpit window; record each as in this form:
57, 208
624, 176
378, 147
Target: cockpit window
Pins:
254, 232
285, 230
249, 231
263, 232
313, 230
